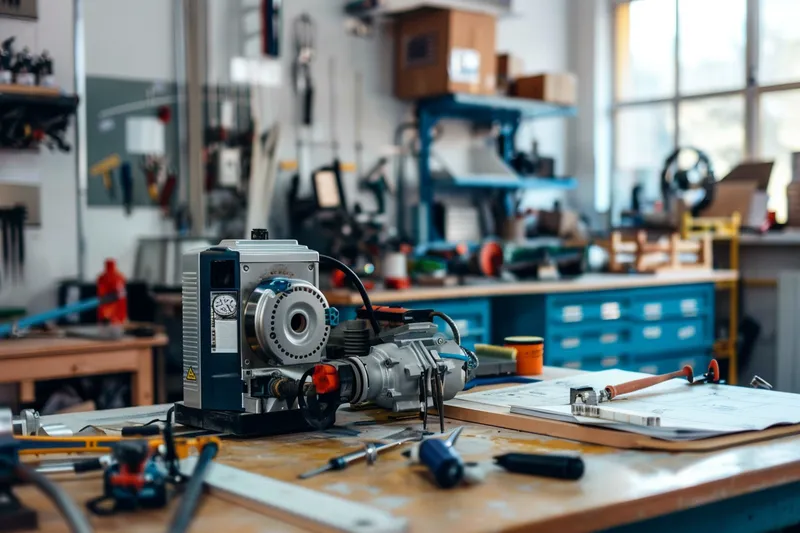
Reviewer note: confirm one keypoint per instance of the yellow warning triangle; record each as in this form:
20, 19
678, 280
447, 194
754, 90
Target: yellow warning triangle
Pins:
190, 375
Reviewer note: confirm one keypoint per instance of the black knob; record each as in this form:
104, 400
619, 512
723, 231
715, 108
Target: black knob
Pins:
259, 234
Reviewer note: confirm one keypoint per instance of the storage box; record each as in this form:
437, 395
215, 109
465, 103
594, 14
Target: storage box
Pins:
509, 68
444, 51
556, 88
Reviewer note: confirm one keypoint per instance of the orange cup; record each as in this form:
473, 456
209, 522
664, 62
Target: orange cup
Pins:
530, 354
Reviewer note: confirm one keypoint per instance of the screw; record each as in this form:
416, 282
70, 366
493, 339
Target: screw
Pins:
246, 268
440, 341
310, 266
247, 362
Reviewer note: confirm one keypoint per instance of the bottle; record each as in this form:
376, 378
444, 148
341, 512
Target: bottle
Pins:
111, 282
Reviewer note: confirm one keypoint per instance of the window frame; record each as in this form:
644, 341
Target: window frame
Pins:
751, 89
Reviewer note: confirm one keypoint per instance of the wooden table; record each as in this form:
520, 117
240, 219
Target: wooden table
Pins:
744, 489
26, 361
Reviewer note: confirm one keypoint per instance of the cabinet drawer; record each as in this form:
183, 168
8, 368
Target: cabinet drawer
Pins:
596, 363
580, 309
699, 364
571, 343
666, 335
660, 306
471, 317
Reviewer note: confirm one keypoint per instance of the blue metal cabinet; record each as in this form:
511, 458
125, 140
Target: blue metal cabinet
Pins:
627, 328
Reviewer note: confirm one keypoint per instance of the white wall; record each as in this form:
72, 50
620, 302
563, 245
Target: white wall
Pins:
128, 40
52, 249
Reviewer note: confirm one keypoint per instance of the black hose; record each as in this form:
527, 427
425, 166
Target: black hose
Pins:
194, 489
451, 323
316, 418
76, 520
355, 280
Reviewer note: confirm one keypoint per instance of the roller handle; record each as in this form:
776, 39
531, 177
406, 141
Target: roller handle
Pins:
639, 384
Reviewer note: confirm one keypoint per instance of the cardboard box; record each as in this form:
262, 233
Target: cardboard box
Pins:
444, 51
509, 68
556, 88
743, 191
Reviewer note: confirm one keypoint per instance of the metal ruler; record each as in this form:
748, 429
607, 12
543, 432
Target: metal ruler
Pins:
312, 510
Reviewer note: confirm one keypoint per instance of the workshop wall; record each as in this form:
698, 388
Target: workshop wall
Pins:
51, 250
537, 34
128, 41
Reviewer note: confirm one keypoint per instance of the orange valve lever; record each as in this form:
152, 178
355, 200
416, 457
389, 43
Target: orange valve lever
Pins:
325, 378
638, 384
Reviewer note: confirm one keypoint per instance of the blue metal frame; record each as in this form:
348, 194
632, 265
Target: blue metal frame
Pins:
507, 112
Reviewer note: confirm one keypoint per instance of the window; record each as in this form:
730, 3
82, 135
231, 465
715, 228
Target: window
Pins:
721, 75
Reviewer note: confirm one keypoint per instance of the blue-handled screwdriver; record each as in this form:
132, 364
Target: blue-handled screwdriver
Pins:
442, 459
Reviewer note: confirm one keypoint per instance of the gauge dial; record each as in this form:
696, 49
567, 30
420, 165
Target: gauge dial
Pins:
224, 305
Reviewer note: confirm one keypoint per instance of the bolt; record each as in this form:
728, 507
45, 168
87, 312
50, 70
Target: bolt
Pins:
247, 362
310, 266
440, 341
246, 268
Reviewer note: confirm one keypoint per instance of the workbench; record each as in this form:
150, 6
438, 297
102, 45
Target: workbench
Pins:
26, 361
651, 323
751, 488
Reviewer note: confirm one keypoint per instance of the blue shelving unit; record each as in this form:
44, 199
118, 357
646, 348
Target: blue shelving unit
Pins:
508, 113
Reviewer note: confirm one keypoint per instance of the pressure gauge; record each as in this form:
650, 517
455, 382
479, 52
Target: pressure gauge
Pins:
224, 305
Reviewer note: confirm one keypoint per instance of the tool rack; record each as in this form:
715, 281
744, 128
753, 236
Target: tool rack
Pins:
36, 107
503, 111
722, 229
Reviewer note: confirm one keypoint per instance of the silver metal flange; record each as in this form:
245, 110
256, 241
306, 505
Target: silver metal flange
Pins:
285, 320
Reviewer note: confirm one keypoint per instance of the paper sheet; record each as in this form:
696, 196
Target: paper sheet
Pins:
686, 411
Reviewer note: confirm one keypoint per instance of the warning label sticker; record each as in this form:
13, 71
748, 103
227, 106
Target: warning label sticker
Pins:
190, 375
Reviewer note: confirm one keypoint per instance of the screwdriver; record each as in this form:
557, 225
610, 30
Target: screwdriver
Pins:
369, 452
443, 460
547, 465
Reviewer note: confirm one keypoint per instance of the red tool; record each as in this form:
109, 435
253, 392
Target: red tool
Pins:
638, 384
712, 376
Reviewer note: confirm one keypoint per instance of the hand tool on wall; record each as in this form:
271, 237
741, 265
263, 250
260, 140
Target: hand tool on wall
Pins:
546, 465
106, 168
126, 184
12, 225
369, 452
304, 33
151, 167
271, 28
375, 181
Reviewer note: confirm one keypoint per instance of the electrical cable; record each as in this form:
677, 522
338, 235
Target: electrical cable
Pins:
76, 520
450, 322
355, 280
455, 356
194, 489
501, 380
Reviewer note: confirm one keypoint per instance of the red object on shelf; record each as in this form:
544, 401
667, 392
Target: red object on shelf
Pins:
164, 114
110, 282
397, 284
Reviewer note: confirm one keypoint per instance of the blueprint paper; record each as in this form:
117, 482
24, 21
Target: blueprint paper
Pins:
687, 411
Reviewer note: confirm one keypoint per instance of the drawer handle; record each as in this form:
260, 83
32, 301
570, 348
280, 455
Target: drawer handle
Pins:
463, 327
609, 338
652, 332
652, 311
610, 311
572, 313
687, 332
572, 342
651, 369
689, 307
609, 361
573, 364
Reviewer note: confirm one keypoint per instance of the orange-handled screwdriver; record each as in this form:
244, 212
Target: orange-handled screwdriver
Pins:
612, 391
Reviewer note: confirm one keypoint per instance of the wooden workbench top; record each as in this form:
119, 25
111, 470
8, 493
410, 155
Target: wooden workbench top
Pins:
619, 486
45, 346
585, 283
